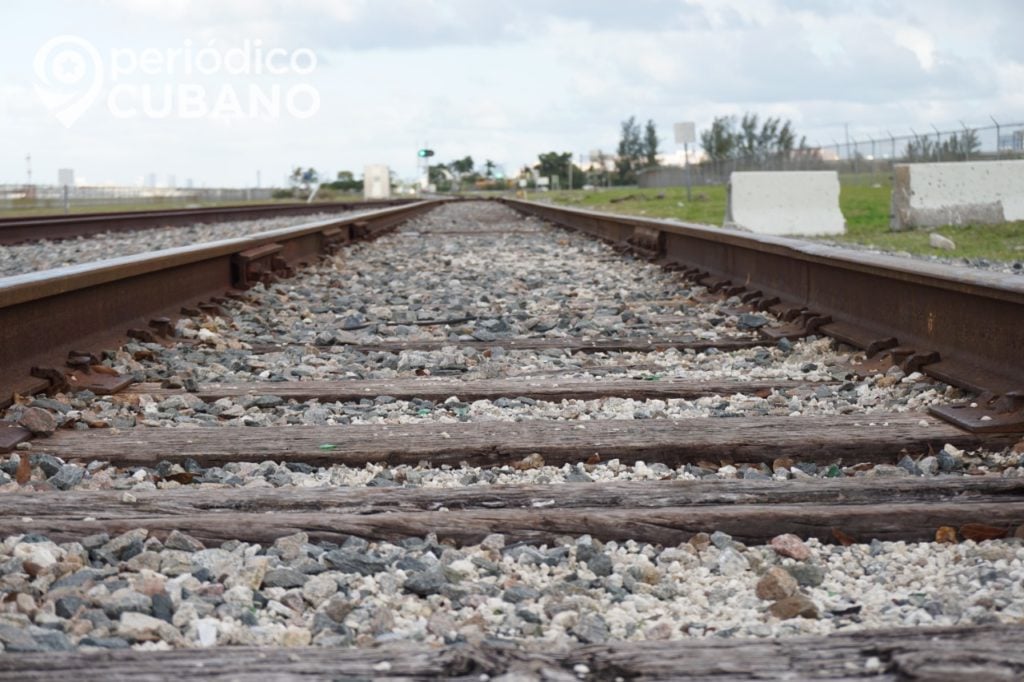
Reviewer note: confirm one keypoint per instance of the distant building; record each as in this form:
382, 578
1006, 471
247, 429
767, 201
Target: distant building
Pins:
1012, 142
151, 180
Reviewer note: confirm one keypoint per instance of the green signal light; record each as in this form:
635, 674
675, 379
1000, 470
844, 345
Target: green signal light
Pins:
423, 153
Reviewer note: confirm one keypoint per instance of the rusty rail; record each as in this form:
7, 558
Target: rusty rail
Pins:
14, 230
962, 326
55, 320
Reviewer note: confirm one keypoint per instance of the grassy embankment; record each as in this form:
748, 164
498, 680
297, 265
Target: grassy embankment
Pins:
864, 200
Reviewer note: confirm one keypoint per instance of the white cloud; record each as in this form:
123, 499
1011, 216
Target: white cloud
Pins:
918, 42
509, 80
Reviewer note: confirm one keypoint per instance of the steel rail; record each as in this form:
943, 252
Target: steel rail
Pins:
50, 316
959, 325
15, 230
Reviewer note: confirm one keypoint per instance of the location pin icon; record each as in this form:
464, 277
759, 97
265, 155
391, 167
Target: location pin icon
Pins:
69, 76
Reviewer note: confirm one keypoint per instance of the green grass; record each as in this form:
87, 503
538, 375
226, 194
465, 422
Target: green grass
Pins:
707, 205
863, 198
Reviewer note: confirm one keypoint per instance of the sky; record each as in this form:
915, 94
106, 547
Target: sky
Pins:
223, 92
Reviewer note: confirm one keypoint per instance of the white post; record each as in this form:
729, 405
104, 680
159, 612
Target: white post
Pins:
685, 133
686, 162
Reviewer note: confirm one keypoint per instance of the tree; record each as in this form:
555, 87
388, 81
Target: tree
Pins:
786, 139
650, 145
346, 181
556, 165
960, 148
748, 136
489, 167
440, 177
303, 178
463, 165
461, 169
526, 173
598, 171
920, 148
754, 140
719, 141
630, 152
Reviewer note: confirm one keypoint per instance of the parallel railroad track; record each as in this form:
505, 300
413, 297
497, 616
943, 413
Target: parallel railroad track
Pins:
15, 230
479, 432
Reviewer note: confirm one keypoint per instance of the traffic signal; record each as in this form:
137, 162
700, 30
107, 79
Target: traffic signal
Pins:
423, 153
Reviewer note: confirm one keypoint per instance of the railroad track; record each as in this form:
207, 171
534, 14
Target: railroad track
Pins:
469, 443
16, 230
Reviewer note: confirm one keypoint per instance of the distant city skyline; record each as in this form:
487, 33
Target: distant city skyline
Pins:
222, 91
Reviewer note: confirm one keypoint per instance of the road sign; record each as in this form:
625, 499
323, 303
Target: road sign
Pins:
423, 153
685, 132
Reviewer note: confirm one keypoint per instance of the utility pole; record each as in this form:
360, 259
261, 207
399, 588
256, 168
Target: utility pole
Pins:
999, 149
28, 168
570, 170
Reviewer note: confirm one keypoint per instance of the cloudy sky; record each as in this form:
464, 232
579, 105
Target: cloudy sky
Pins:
218, 90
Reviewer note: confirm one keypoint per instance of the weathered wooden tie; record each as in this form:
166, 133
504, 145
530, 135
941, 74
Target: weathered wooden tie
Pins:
484, 389
664, 512
988, 652
572, 345
852, 439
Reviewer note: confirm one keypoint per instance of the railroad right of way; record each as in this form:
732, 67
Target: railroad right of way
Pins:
519, 447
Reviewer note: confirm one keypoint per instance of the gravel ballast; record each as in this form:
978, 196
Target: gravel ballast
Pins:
476, 272
134, 590
18, 259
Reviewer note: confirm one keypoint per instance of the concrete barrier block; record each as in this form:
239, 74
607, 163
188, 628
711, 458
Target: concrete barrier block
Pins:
964, 193
376, 182
785, 202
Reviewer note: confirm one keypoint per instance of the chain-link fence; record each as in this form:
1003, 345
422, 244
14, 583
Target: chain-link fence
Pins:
59, 197
864, 154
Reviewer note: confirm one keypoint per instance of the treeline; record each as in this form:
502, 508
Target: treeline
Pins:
304, 179
750, 139
953, 148
464, 174
637, 150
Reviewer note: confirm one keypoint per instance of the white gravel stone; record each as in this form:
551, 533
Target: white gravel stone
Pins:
531, 280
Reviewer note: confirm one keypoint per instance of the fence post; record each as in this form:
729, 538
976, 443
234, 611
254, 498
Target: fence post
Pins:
999, 148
